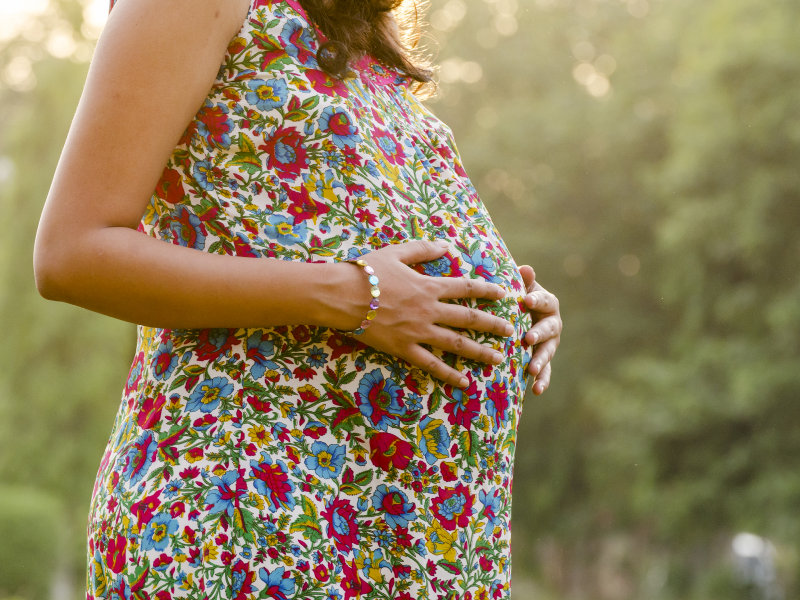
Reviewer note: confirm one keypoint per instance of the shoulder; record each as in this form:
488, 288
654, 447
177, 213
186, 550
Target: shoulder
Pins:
216, 18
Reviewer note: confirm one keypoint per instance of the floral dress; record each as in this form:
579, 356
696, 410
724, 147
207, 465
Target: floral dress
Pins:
296, 462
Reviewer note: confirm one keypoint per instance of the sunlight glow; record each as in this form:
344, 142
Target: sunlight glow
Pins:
14, 14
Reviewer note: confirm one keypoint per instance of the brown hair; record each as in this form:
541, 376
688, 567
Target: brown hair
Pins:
388, 30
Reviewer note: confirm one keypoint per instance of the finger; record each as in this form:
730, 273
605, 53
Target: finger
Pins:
544, 329
542, 301
417, 251
428, 362
542, 382
542, 357
461, 345
528, 277
463, 317
463, 287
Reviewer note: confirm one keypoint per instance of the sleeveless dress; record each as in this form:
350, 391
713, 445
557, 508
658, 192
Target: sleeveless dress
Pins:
296, 462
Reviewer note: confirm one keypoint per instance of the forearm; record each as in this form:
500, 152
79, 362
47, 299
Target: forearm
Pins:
123, 273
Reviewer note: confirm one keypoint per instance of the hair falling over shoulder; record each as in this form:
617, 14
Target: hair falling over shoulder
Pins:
386, 29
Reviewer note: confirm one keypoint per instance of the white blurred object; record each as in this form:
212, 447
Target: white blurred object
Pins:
754, 563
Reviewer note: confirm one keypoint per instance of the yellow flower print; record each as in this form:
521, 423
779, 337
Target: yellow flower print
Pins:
210, 551
308, 391
259, 435
441, 542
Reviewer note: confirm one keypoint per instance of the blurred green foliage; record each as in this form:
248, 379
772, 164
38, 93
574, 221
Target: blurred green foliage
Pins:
31, 539
642, 156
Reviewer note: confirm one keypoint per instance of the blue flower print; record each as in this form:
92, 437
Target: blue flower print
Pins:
120, 590
397, 510
164, 361
187, 229
271, 480
202, 174
259, 350
339, 125
483, 266
285, 230
172, 488
326, 460
279, 584
139, 457
316, 357
434, 439
156, 534
268, 94
492, 508
298, 42
380, 399
224, 497
208, 394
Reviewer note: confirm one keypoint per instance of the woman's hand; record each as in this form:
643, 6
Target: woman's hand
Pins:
545, 335
412, 315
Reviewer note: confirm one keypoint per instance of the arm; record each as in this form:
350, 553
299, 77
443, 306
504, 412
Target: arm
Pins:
153, 67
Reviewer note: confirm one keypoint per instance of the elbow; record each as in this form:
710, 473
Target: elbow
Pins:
50, 269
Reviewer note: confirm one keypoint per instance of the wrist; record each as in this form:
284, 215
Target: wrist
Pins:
342, 297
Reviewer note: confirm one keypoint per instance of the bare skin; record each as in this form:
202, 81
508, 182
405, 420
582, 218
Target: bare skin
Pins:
89, 253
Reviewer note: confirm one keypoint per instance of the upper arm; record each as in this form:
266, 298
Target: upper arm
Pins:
154, 64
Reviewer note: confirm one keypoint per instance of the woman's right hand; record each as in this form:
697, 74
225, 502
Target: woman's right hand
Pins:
412, 313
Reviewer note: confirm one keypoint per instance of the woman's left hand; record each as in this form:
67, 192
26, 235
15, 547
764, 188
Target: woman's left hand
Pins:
545, 335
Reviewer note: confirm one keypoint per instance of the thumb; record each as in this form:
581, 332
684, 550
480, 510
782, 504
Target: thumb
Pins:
419, 251
528, 276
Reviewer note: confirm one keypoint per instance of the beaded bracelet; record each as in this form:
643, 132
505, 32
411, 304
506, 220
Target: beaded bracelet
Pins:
375, 292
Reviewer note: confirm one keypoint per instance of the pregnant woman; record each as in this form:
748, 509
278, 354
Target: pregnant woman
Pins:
334, 339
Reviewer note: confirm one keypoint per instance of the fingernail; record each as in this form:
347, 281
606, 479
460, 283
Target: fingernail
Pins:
497, 358
509, 330
537, 367
463, 382
535, 338
443, 243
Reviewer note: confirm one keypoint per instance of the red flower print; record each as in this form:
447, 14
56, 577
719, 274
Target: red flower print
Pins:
162, 560
285, 151
391, 148
353, 585
388, 451
342, 527
304, 373
463, 405
211, 343
302, 206
322, 573
243, 579
341, 344
453, 507
485, 563
365, 216
144, 509
116, 553
215, 125
150, 413
325, 84
272, 481
449, 471
259, 405
170, 187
